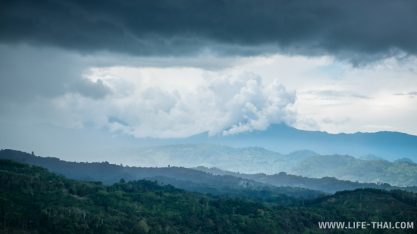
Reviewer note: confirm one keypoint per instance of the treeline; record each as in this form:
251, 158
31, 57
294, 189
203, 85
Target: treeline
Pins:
180, 177
36, 201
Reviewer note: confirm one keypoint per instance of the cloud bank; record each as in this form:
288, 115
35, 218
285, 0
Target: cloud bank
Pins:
355, 29
150, 103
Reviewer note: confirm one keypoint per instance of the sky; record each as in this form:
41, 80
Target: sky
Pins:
101, 70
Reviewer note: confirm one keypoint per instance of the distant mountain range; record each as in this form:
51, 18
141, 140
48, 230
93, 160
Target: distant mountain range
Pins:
284, 139
252, 160
280, 187
325, 184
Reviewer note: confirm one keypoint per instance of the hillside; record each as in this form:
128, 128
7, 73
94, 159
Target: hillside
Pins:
259, 186
325, 184
184, 178
306, 163
400, 172
250, 160
33, 199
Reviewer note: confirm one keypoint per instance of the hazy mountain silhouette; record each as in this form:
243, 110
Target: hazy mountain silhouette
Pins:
284, 139
325, 184
200, 179
253, 160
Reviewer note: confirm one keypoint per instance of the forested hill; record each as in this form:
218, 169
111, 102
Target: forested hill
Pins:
184, 178
325, 184
257, 186
36, 201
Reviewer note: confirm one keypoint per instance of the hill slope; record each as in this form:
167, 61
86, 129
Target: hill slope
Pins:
259, 160
202, 179
34, 200
185, 178
325, 184
400, 172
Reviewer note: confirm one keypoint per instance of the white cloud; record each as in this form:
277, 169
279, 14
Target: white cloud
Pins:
179, 102
174, 97
334, 96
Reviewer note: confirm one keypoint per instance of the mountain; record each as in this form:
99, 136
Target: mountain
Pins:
285, 139
253, 160
33, 200
184, 178
399, 173
325, 184
260, 186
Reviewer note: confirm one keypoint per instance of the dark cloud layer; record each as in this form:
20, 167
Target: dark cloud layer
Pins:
26, 73
166, 27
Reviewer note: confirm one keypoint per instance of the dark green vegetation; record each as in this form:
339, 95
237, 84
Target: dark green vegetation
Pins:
37, 201
184, 178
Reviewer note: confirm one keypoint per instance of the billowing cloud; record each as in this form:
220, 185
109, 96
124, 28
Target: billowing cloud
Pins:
90, 88
150, 103
355, 29
45, 88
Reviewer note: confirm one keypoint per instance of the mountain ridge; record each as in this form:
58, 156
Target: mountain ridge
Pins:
33, 199
282, 138
195, 179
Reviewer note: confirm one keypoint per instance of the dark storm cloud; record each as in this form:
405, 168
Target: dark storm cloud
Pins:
167, 27
27, 73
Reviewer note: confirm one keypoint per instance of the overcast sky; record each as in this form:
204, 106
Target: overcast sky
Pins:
167, 69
